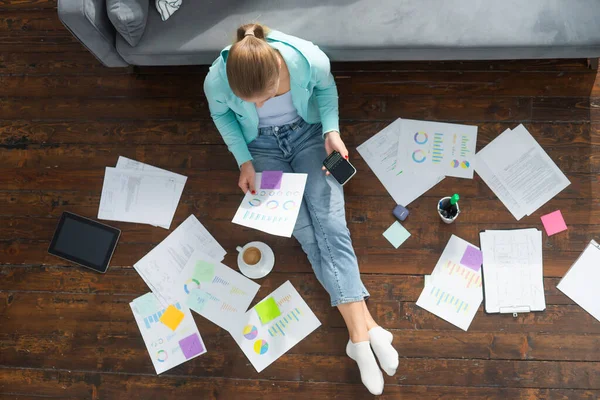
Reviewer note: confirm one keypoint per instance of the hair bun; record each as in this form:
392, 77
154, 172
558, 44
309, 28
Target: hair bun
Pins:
256, 30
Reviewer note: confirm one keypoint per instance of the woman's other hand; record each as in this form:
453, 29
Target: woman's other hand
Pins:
333, 142
247, 174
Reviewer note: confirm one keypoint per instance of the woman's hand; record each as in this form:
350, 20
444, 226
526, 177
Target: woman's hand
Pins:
333, 141
247, 174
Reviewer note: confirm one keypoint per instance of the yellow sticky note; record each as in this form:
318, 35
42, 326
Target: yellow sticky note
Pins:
267, 310
172, 317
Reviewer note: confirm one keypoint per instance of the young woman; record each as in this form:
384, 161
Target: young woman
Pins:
274, 101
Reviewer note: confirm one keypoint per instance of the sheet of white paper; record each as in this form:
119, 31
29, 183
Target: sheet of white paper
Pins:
448, 149
453, 291
129, 164
167, 348
518, 168
134, 196
164, 263
513, 270
214, 290
380, 152
580, 283
273, 211
263, 344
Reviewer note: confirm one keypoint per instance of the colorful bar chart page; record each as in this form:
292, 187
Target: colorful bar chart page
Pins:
263, 344
434, 146
214, 290
454, 290
273, 211
167, 348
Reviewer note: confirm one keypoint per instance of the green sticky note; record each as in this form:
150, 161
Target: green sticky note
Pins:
197, 300
396, 234
147, 304
204, 271
267, 310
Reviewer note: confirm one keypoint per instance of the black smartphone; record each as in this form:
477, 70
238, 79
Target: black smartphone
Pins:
339, 167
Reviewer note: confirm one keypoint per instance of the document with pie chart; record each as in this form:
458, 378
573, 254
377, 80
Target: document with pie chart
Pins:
264, 344
434, 146
273, 211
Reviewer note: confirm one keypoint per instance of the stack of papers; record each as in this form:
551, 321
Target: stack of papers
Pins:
380, 152
409, 157
138, 192
519, 172
513, 273
453, 291
581, 281
161, 266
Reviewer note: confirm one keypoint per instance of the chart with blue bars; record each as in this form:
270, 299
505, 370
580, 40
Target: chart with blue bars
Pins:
447, 298
155, 318
279, 327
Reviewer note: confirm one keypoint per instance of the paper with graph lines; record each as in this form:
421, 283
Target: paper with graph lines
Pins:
454, 290
263, 344
214, 290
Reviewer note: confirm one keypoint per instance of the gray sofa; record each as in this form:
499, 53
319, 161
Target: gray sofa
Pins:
351, 30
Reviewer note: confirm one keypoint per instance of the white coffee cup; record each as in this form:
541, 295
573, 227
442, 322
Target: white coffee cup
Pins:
255, 259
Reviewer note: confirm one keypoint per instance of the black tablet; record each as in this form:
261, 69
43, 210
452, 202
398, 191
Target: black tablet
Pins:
84, 242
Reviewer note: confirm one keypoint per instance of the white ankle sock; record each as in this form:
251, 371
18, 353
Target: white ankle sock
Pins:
381, 341
370, 373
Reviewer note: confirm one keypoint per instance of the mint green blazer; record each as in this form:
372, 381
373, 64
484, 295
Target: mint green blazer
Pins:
314, 93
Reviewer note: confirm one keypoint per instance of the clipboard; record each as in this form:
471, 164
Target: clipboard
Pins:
517, 306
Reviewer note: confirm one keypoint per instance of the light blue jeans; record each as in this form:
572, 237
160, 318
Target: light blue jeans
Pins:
321, 226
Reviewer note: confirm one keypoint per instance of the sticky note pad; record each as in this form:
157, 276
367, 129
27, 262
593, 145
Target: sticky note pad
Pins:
472, 258
147, 304
271, 180
197, 300
191, 346
554, 223
267, 310
204, 271
172, 317
396, 234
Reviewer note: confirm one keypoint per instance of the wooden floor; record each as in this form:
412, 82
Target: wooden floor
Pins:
69, 333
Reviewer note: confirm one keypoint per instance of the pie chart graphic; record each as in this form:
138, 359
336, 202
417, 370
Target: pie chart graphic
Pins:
191, 284
454, 163
161, 356
465, 164
261, 347
250, 332
418, 156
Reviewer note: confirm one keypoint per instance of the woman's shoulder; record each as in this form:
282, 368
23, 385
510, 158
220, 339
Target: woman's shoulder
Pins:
216, 79
306, 56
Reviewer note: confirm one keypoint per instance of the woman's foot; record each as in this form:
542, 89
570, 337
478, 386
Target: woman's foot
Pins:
381, 342
370, 373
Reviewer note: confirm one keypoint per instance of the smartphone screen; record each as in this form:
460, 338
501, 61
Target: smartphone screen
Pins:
339, 167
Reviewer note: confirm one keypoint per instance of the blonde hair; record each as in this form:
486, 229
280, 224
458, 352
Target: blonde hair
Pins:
252, 65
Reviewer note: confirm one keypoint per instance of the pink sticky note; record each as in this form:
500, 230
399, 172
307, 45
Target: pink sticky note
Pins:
554, 223
472, 258
191, 346
271, 180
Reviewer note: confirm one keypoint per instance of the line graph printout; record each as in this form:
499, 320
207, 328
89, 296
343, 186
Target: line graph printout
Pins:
213, 290
453, 292
513, 270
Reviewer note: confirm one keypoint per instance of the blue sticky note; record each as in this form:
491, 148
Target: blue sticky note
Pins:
197, 300
271, 180
147, 304
396, 234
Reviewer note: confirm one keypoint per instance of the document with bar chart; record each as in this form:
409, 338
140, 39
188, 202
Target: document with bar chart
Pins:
273, 211
213, 290
454, 290
446, 148
167, 348
263, 344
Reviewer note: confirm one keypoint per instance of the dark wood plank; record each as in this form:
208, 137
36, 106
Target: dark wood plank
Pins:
31, 22
67, 62
27, 4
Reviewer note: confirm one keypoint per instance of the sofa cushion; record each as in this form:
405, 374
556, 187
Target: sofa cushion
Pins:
88, 22
129, 18
352, 30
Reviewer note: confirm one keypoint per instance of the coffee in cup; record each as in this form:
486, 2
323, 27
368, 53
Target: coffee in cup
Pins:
252, 256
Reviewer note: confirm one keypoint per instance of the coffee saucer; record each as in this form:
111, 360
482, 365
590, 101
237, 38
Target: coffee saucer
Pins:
264, 267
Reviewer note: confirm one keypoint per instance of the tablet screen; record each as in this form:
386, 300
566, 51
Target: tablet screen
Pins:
84, 241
